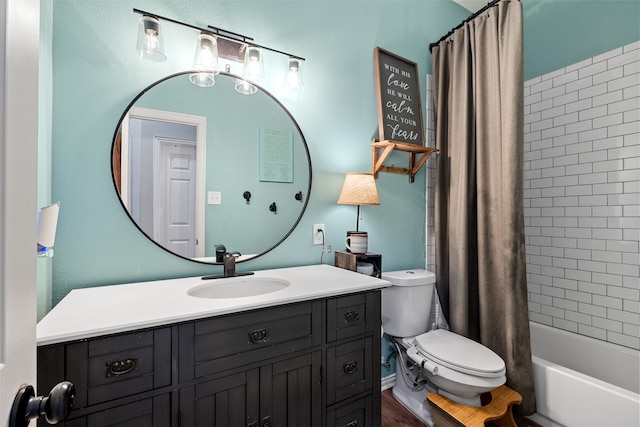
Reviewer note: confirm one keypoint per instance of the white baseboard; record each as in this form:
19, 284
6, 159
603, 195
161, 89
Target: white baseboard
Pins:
388, 382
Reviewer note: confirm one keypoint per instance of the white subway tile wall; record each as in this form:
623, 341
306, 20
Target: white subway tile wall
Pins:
430, 175
582, 197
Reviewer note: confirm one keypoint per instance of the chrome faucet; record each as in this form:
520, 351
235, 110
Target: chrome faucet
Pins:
229, 262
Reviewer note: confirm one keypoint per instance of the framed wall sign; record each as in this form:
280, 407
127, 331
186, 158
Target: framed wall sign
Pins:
276, 155
398, 95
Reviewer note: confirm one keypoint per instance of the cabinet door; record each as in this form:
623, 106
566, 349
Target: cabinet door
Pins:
290, 392
230, 401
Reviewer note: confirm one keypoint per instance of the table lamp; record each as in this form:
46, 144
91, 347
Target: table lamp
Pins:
359, 189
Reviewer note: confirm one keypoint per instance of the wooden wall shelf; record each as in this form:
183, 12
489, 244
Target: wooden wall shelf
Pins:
388, 146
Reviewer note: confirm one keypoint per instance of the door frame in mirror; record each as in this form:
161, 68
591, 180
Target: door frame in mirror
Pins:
201, 141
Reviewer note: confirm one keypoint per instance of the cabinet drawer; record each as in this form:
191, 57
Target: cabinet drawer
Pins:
108, 368
151, 412
355, 414
220, 343
353, 315
349, 369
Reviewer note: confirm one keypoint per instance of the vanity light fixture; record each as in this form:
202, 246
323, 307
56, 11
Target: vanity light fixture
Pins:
214, 43
205, 61
150, 43
293, 80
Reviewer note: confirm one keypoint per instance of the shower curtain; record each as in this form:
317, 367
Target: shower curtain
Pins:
479, 218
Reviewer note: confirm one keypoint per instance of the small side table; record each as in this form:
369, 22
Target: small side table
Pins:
349, 261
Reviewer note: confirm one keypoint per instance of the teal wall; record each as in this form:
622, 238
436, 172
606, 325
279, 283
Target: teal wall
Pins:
562, 32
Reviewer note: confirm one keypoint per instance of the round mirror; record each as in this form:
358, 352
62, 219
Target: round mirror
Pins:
203, 171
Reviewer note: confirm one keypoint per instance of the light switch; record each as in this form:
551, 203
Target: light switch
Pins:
214, 197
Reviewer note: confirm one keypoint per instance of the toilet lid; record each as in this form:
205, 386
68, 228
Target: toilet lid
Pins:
460, 353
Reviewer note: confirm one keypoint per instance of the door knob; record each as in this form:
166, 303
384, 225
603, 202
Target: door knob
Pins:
55, 407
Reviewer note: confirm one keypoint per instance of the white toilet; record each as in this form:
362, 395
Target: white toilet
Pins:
438, 360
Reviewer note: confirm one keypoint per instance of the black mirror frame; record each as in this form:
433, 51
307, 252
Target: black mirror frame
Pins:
304, 142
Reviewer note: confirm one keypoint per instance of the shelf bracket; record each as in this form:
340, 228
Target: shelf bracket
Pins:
389, 146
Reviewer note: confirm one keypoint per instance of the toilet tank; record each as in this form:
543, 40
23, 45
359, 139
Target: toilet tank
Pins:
406, 304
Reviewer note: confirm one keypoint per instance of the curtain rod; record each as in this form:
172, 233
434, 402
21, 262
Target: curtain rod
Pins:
471, 17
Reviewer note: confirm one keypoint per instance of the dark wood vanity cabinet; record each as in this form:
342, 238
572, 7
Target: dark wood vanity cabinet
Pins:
312, 363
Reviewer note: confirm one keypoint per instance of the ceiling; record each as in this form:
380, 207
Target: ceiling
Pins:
472, 5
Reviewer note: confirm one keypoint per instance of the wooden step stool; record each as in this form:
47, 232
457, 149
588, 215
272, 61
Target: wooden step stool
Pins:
447, 413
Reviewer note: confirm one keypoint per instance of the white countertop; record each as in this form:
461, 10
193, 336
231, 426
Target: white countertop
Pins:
91, 312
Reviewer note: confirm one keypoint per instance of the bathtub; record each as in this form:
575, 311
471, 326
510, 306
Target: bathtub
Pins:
582, 382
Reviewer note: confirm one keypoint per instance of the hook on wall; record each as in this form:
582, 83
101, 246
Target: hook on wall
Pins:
247, 196
298, 196
273, 208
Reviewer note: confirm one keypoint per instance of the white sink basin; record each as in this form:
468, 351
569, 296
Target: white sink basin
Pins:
238, 287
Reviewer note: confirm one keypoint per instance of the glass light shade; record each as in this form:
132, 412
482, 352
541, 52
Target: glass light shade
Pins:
253, 65
245, 88
293, 80
206, 56
150, 43
205, 61
202, 79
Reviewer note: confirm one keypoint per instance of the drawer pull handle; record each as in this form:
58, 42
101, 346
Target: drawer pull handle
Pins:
351, 316
259, 335
266, 422
121, 367
350, 367
351, 424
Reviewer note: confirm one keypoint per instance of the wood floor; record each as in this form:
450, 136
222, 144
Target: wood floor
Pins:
396, 415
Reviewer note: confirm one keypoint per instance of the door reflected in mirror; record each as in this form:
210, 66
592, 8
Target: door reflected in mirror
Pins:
184, 158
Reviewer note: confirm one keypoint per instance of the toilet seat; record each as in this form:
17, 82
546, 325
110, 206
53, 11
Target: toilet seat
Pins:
460, 354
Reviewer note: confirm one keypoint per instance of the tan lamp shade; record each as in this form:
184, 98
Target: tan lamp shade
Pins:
359, 189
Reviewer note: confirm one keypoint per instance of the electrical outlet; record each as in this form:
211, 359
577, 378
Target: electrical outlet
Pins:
214, 198
318, 236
